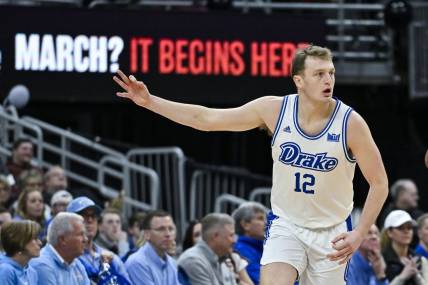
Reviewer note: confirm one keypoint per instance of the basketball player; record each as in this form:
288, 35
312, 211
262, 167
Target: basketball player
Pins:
317, 140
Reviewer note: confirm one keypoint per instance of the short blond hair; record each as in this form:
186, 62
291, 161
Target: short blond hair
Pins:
298, 64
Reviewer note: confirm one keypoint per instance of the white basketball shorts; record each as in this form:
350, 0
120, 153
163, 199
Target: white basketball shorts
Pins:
305, 249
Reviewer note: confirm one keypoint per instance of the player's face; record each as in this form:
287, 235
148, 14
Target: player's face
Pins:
317, 80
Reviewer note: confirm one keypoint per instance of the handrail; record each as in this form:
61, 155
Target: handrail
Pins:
18, 132
61, 148
271, 5
259, 191
227, 198
69, 135
127, 166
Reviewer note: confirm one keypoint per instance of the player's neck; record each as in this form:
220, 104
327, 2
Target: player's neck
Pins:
311, 110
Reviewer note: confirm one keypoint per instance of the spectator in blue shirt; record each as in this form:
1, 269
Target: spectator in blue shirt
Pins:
58, 263
367, 266
94, 257
151, 264
250, 221
422, 247
21, 244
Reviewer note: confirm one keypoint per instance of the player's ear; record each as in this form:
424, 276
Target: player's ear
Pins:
298, 80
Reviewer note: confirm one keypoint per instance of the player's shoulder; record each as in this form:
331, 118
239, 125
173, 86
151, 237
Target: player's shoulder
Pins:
270, 100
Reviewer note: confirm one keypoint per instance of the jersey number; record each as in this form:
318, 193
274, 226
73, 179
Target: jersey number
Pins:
304, 182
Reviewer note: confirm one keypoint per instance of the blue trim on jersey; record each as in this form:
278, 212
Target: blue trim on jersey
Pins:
349, 223
344, 135
348, 228
327, 126
270, 218
345, 275
279, 121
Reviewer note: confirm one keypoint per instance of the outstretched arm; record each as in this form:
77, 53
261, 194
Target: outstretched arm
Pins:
246, 117
369, 160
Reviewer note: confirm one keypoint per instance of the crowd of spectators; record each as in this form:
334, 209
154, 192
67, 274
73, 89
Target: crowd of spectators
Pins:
47, 236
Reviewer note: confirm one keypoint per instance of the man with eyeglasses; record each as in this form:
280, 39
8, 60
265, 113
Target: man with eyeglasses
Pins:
94, 257
151, 264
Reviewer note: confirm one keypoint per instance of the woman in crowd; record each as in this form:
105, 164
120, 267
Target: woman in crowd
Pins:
422, 247
5, 193
31, 207
20, 243
403, 267
192, 234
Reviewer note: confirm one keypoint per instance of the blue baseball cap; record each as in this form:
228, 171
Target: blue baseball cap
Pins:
79, 204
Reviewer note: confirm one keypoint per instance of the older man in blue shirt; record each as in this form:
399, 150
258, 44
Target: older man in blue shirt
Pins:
151, 264
58, 263
95, 256
367, 266
250, 222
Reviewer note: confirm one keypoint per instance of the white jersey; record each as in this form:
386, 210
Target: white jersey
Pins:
312, 175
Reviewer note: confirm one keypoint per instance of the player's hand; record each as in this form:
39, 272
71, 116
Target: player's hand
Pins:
345, 245
135, 90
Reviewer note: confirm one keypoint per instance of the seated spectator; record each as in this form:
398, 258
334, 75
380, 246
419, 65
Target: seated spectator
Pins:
60, 201
426, 159
422, 247
21, 244
54, 180
30, 179
134, 229
404, 195
205, 263
402, 266
58, 263
367, 265
31, 207
151, 264
250, 222
192, 234
6, 200
5, 217
94, 257
22, 154
111, 236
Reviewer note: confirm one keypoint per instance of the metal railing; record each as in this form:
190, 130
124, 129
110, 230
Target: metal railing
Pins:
86, 162
209, 183
226, 203
418, 51
169, 163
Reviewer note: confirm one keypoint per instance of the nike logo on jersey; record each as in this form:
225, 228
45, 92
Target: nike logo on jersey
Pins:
292, 155
287, 129
333, 137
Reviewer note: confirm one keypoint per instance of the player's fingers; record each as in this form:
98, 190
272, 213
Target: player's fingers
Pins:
339, 237
122, 94
346, 259
339, 254
123, 76
132, 78
121, 83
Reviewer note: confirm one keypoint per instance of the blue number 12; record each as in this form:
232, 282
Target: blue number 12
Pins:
308, 181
